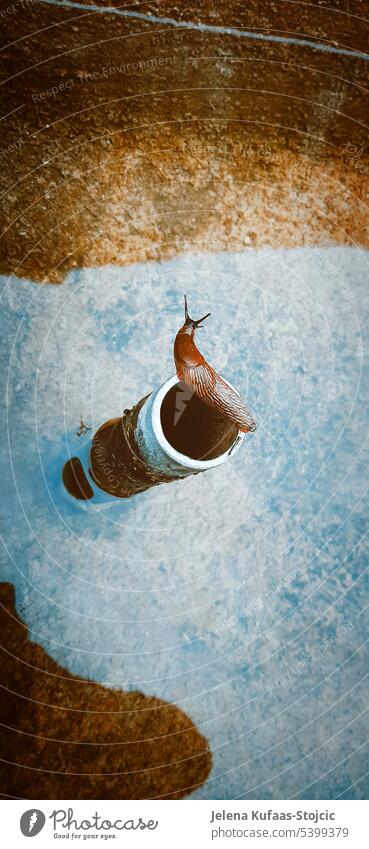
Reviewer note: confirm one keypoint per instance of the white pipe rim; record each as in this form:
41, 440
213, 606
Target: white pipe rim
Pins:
183, 459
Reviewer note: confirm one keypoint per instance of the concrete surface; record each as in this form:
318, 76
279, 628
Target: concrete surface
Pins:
240, 594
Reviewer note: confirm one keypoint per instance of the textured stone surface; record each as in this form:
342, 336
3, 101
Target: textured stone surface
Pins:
240, 594
214, 142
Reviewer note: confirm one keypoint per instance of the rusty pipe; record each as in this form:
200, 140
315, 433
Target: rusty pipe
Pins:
168, 435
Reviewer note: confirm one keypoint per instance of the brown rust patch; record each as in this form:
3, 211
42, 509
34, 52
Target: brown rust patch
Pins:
157, 141
69, 738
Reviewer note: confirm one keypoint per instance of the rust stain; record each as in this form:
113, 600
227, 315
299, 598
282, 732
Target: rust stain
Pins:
69, 738
129, 142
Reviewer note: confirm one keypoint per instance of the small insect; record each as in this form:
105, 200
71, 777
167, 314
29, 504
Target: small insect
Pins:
193, 370
82, 428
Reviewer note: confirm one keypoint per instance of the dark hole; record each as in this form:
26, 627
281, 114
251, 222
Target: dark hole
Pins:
192, 427
75, 480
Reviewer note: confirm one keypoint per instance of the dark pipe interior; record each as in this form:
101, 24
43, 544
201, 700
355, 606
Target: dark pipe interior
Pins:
192, 427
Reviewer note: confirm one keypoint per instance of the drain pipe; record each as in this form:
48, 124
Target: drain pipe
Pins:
168, 435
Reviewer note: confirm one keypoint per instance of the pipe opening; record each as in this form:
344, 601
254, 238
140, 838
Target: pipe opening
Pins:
193, 428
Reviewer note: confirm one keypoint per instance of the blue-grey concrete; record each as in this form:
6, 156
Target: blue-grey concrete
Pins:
241, 594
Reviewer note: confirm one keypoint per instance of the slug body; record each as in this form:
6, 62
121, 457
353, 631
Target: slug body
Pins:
193, 370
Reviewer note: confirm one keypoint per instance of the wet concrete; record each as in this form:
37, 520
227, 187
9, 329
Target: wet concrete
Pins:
239, 594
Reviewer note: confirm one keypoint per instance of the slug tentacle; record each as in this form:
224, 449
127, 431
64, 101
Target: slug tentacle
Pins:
193, 370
